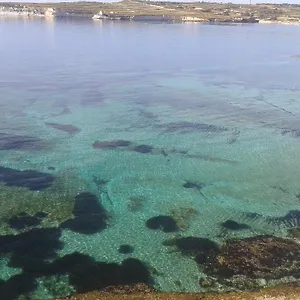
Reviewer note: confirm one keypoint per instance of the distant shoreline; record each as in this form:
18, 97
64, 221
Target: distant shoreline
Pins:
197, 12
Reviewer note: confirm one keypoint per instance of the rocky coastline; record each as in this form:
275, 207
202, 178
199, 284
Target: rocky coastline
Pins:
200, 12
144, 293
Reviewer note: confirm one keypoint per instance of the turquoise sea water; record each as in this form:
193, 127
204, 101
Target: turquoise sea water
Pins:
121, 122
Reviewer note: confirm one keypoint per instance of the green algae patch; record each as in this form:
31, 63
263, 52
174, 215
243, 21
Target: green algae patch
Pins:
55, 204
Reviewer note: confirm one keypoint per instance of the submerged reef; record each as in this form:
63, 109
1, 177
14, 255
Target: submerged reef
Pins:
265, 257
242, 264
89, 215
70, 129
20, 142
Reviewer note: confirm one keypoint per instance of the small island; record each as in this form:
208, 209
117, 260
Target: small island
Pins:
201, 12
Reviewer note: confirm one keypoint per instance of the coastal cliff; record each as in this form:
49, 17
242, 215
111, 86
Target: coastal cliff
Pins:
202, 12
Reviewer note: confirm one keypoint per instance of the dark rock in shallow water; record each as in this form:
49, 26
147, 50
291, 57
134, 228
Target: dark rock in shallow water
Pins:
30, 179
20, 142
22, 222
165, 223
64, 127
50, 168
232, 225
108, 145
90, 215
126, 249
143, 149
256, 257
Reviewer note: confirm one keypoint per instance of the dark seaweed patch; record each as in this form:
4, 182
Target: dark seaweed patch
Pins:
193, 185
16, 286
126, 249
64, 127
85, 274
20, 142
30, 179
185, 127
31, 249
200, 248
90, 215
143, 149
22, 222
41, 215
234, 226
109, 145
51, 168
30, 252
165, 223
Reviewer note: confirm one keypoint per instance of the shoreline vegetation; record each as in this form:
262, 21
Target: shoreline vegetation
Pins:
187, 12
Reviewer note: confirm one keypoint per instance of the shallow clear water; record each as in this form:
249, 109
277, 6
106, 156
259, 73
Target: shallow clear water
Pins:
216, 109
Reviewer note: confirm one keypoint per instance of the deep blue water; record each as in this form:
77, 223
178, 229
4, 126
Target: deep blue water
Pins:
119, 138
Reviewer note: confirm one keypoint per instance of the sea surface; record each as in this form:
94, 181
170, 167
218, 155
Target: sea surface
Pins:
117, 138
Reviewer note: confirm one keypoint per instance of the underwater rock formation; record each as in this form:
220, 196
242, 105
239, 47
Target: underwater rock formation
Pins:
256, 257
33, 180
90, 215
164, 223
71, 129
20, 142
